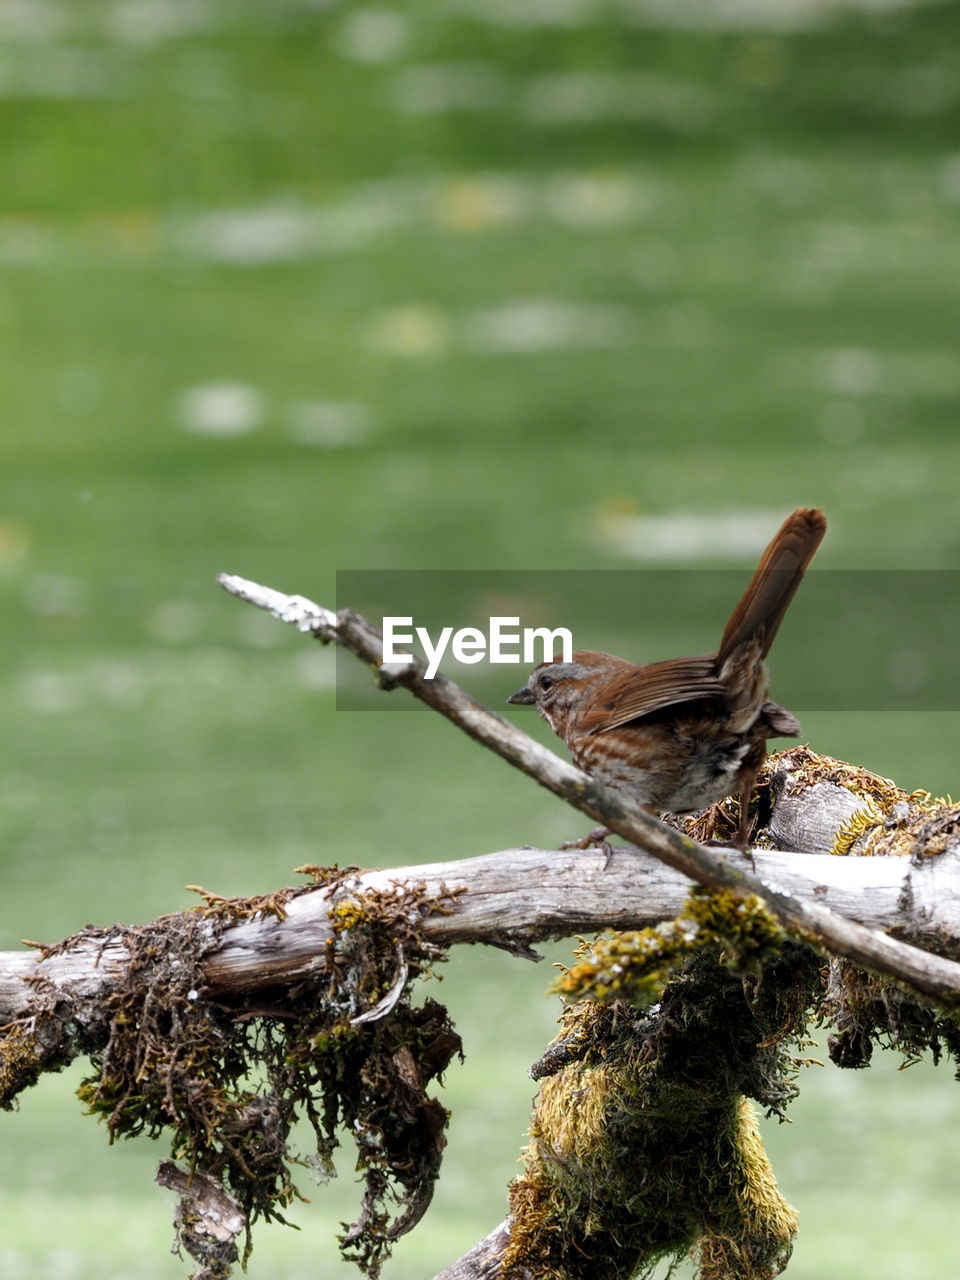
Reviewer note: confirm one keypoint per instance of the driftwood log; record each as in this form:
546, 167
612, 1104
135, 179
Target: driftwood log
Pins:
516, 897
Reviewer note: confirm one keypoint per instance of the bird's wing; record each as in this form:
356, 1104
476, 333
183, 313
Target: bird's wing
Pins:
652, 687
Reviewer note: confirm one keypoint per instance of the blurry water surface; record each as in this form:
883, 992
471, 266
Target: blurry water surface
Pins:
291, 288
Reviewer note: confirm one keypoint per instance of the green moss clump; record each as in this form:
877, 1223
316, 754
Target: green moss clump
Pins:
644, 1148
644, 1144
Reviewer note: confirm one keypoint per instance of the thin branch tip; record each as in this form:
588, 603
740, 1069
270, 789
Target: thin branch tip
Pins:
299, 611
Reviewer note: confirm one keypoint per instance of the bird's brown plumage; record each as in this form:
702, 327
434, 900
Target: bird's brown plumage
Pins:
680, 734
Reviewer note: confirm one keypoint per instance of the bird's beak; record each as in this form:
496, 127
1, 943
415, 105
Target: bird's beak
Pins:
523, 697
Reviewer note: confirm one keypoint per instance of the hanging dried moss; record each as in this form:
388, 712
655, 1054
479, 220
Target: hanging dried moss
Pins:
227, 1079
867, 1012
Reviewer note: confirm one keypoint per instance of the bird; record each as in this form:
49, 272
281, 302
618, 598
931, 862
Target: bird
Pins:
679, 735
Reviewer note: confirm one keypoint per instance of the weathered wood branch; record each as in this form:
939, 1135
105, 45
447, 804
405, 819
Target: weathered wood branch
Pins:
207, 1220
482, 1262
513, 897
811, 921
517, 897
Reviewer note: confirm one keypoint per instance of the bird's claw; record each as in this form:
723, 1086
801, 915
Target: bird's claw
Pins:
595, 839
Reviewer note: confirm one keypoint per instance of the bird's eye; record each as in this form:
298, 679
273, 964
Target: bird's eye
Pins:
546, 682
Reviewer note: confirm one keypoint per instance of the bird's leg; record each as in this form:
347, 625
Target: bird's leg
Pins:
741, 841
597, 838
746, 821
745, 830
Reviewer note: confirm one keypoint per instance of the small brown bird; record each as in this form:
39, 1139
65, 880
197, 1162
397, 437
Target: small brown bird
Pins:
678, 735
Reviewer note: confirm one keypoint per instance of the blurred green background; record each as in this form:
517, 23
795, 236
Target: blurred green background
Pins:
293, 286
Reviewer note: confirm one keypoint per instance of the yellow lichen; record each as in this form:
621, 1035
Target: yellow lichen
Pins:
636, 964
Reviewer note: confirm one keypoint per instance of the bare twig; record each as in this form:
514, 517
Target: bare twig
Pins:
482, 1262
